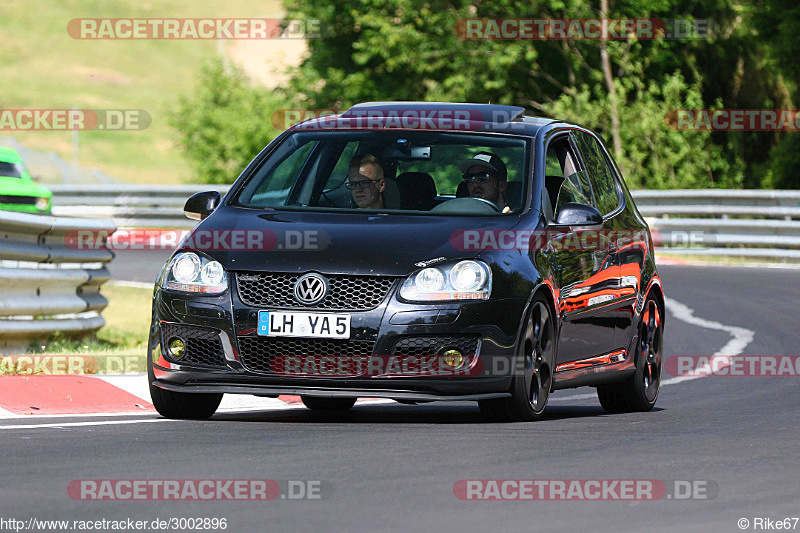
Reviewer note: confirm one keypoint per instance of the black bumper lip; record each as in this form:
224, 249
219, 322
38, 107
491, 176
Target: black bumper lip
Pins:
327, 392
230, 381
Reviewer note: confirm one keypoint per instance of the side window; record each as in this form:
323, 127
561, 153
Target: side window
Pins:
552, 164
600, 173
564, 180
11, 170
576, 188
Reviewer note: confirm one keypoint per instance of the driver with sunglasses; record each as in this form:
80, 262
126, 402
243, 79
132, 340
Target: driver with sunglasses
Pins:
485, 175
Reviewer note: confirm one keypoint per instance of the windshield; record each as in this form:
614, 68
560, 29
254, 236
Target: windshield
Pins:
10, 170
413, 172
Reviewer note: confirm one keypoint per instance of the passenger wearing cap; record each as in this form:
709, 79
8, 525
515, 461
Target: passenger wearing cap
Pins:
485, 175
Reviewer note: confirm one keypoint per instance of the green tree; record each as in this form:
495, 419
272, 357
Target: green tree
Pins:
224, 124
654, 155
777, 22
408, 50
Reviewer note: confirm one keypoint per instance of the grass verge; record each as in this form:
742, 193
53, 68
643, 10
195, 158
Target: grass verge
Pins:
43, 67
120, 346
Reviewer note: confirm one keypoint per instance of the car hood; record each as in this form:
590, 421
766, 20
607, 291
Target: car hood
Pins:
351, 243
22, 187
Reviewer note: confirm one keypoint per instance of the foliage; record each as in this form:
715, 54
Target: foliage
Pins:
684, 159
777, 22
408, 50
43, 67
224, 124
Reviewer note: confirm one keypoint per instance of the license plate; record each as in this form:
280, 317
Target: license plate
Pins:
294, 324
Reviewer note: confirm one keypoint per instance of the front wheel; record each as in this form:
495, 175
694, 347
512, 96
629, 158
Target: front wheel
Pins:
181, 405
184, 405
328, 404
533, 372
640, 391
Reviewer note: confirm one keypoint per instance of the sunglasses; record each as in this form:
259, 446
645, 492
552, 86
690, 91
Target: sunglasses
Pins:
358, 185
478, 176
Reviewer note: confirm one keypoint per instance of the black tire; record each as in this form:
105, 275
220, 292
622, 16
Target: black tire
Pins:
328, 404
640, 391
184, 405
533, 370
613, 398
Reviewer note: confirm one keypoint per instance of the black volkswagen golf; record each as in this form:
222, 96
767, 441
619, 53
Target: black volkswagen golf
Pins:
415, 252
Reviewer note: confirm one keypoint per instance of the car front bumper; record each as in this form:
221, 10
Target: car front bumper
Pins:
493, 324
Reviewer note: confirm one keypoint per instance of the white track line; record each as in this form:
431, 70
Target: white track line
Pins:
134, 384
740, 338
152, 416
91, 423
11, 415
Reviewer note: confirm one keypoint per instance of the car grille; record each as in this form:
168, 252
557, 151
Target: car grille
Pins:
344, 292
17, 200
269, 355
435, 344
202, 345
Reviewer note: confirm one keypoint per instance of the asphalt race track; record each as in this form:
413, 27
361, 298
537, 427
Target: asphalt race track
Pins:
393, 467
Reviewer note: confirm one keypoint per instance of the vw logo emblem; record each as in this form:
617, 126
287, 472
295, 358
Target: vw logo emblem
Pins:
310, 289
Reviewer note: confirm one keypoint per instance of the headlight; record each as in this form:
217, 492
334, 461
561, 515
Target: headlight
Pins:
42, 203
467, 276
190, 272
185, 268
430, 280
466, 280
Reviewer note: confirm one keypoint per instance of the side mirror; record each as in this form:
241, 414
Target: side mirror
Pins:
202, 204
573, 214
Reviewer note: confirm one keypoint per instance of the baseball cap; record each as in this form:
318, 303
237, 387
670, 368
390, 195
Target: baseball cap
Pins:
485, 159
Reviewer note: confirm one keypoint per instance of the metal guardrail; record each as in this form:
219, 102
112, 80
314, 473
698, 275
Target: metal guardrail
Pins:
47, 285
749, 224
744, 223
129, 205
720, 202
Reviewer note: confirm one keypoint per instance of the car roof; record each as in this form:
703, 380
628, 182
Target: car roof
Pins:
441, 116
9, 155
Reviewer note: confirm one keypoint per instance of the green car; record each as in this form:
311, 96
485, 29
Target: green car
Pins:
18, 191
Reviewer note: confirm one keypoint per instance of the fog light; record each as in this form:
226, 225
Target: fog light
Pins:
176, 348
453, 358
